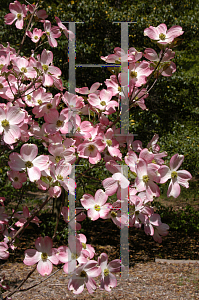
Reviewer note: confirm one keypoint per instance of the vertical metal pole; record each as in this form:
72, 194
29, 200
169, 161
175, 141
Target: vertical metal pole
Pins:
71, 89
124, 121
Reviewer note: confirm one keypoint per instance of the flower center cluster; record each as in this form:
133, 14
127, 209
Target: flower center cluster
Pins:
58, 158
49, 106
24, 70
97, 207
49, 178
84, 245
174, 174
78, 129
59, 177
83, 274
19, 16
74, 256
145, 178
36, 37
134, 74
59, 123
103, 103
106, 272
28, 164
91, 147
45, 68
16, 179
29, 97
1, 86
39, 102
44, 256
113, 214
4, 123
109, 143
162, 36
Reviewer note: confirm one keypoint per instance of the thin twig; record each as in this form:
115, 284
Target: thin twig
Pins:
118, 117
36, 284
63, 199
23, 39
21, 230
29, 274
20, 199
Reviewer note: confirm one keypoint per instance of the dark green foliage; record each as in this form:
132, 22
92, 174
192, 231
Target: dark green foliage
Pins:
182, 220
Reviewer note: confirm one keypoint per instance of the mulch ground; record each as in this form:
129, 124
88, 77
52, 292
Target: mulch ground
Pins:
147, 278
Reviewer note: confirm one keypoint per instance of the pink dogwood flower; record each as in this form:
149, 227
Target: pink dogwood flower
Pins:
18, 12
146, 175
52, 33
45, 256
72, 254
85, 90
69, 34
8, 236
96, 206
119, 218
103, 101
154, 227
50, 73
4, 253
9, 124
24, 216
178, 178
27, 160
22, 66
83, 275
91, 150
82, 238
108, 280
167, 67
59, 175
111, 143
58, 122
162, 35
121, 56
115, 183
16, 178
35, 35
138, 72
73, 102
41, 14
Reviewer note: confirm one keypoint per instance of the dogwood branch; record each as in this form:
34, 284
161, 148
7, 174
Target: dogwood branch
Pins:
23, 39
17, 289
21, 230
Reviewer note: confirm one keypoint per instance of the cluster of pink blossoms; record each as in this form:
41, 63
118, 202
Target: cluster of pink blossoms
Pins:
76, 252
24, 86
19, 12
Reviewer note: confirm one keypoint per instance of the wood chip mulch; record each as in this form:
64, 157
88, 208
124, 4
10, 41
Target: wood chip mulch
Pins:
151, 280
148, 278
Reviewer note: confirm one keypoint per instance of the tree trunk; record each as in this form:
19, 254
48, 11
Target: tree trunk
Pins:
57, 204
